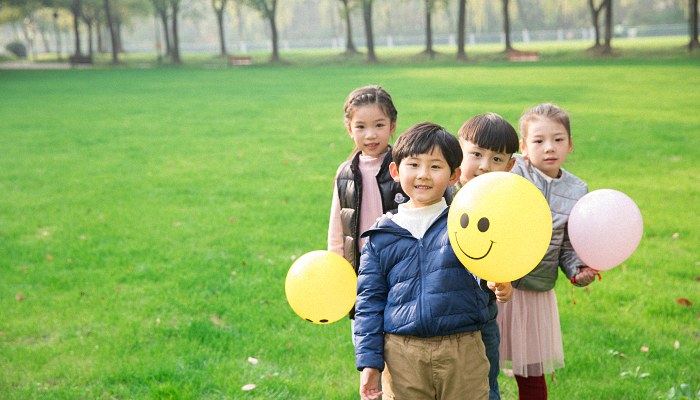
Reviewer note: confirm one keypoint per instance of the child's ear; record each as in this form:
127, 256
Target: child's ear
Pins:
523, 147
394, 171
392, 128
511, 162
454, 178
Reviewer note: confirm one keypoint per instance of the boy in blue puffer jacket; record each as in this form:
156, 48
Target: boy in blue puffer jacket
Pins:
418, 309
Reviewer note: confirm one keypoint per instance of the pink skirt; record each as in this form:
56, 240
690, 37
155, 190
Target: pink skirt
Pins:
531, 342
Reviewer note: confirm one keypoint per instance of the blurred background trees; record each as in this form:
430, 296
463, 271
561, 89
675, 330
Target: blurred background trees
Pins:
167, 27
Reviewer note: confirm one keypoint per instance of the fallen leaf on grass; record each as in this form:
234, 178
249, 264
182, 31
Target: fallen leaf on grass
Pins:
676, 345
49, 257
253, 360
676, 235
232, 219
644, 349
684, 302
616, 353
216, 320
248, 387
19, 297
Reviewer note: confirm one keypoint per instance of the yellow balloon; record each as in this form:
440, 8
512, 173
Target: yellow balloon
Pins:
321, 287
500, 226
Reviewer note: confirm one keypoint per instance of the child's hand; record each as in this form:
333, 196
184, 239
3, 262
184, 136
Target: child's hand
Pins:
369, 384
585, 276
503, 291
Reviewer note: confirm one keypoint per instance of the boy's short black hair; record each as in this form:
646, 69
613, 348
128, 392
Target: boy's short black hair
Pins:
490, 131
422, 139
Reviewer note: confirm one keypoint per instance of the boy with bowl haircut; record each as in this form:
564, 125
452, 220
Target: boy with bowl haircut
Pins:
418, 309
488, 143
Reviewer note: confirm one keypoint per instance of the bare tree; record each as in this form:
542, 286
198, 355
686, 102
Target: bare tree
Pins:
219, 8
112, 33
429, 6
461, 28
90, 14
595, 17
350, 48
75, 8
161, 10
57, 33
693, 19
367, 14
268, 8
506, 24
607, 46
175, 9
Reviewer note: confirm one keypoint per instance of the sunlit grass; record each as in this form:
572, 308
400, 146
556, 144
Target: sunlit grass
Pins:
149, 217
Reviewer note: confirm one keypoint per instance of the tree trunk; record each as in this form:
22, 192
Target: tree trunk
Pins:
100, 38
176, 40
88, 23
461, 28
607, 47
693, 11
118, 32
57, 33
506, 24
75, 9
595, 16
112, 35
166, 32
349, 44
367, 13
220, 20
272, 12
429, 28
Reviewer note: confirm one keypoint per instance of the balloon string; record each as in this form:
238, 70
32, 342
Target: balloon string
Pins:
573, 300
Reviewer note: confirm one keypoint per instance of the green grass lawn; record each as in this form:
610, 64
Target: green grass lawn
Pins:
148, 218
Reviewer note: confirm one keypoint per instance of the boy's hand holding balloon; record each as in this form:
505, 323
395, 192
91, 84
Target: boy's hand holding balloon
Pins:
503, 291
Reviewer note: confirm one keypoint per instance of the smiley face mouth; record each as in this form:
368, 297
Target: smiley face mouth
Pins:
473, 258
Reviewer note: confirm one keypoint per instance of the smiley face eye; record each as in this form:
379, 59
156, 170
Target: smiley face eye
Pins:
483, 224
464, 221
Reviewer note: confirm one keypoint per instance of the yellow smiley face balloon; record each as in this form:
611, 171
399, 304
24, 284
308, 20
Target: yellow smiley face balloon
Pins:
321, 287
500, 226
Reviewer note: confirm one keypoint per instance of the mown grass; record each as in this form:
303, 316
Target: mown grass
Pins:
148, 218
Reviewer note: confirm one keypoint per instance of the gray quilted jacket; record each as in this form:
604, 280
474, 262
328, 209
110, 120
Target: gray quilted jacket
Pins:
562, 194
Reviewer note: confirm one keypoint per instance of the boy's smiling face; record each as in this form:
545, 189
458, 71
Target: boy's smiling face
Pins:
424, 177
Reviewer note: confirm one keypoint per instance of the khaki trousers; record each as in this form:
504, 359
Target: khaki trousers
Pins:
443, 367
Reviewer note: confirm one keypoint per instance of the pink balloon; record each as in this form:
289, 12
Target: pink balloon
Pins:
605, 228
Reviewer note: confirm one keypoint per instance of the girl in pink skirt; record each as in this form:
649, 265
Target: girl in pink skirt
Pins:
531, 341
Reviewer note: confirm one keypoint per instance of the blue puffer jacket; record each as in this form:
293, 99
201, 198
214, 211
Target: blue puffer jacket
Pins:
415, 287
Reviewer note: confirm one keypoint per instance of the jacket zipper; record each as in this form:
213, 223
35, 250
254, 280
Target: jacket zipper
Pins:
421, 310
